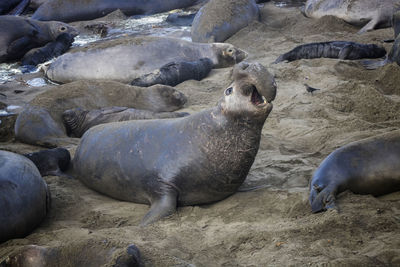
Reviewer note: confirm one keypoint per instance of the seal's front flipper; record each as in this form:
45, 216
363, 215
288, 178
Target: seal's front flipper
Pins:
324, 200
345, 51
369, 26
162, 207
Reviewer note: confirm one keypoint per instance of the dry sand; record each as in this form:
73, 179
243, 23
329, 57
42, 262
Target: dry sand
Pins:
272, 226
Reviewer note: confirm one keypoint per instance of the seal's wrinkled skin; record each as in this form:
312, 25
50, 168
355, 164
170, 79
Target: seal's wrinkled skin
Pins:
369, 166
201, 158
24, 196
336, 49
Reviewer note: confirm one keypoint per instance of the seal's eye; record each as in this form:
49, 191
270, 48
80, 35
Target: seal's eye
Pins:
230, 50
63, 28
229, 91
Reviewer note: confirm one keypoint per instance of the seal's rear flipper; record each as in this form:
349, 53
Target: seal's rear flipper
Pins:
369, 26
373, 64
162, 207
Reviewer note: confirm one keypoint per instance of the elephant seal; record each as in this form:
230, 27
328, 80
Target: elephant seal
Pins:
51, 161
370, 13
217, 20
40, 123
335, 49
19, 35
198, 159
368, 166
47, 52
394, 54
91, 253
176, 72
77, 121
77, 10
25, 198
125, 59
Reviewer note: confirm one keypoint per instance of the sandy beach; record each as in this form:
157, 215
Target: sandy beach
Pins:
273, 225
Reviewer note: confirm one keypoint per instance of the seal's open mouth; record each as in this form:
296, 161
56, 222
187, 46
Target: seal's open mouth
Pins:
257, 99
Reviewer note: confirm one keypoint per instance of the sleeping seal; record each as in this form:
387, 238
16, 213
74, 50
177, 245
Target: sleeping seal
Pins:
218, 20
18, 35
24, 196
335, 49
370, 13
198, 159
369, 166
125, 59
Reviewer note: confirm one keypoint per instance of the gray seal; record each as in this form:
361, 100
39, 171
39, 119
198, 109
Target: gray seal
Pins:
370, 13
368, 166
174, 73
198, 159
25, 198
218, 20
77, 121
78, 10
335, 49
40, 123
125, 59
19, 35
394, 54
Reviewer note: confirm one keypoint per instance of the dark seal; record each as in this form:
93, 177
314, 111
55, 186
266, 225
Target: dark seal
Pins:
176, 72
335, 49
369, 166
77, 121
198, 159
51, 161
24, 196
47, 52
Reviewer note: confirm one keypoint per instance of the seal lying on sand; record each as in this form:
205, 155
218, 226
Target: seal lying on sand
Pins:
40, 123
336, 49
196, 159
47, 52
77, 121
78, 10
125, 59
369, 166
394, 54
218, 20
93, 253
51, 161
176, 72
371, 13
19, 35
25, 198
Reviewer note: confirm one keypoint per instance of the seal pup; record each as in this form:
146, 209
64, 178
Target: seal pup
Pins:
77, 10
19, 35
40, 122
370, 13
335, 49
174, 73
198, 159
25, 198
77, 121
51, 161
368, 166
218, 20
125, 59
394, 54
47, 52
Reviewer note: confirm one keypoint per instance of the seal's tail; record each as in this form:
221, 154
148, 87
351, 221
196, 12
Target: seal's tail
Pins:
373, 64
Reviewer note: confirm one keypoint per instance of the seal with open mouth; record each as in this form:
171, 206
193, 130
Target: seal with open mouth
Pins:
198, 159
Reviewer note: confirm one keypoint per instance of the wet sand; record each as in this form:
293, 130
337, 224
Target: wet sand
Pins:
271, 226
